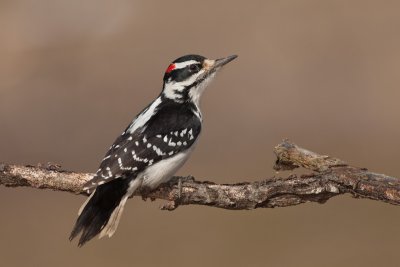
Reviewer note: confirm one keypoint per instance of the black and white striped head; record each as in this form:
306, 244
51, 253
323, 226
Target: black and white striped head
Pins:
186, 78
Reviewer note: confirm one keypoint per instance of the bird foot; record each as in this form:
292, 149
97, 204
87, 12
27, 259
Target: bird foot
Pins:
175, 201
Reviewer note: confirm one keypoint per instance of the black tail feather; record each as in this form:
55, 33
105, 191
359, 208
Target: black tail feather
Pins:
98, 210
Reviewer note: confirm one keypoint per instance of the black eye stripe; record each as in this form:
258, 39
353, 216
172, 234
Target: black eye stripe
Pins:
179, 75
194, 67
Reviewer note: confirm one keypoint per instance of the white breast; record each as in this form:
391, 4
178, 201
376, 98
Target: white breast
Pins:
163, 170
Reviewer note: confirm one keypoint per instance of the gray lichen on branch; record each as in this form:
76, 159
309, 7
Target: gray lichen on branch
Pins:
328, 177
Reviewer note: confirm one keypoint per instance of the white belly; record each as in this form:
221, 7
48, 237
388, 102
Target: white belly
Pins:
162, 171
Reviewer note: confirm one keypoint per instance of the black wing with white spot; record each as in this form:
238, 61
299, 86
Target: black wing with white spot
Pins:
164, 135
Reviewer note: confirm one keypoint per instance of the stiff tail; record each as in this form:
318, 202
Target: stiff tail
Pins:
101, 212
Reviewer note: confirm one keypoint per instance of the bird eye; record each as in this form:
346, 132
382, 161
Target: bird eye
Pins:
194, 67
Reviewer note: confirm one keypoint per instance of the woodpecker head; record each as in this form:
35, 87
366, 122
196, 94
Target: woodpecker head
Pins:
186, 78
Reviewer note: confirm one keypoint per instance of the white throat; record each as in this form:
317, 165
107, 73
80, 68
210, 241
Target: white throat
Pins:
196, 92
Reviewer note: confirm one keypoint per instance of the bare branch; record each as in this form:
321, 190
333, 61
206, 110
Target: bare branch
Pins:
330, 177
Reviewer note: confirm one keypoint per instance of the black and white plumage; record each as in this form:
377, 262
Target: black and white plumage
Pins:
151, 149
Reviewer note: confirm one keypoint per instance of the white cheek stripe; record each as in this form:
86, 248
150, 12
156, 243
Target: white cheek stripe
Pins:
170, 87
181, 65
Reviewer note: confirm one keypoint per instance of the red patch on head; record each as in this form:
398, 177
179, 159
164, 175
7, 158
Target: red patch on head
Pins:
170, 68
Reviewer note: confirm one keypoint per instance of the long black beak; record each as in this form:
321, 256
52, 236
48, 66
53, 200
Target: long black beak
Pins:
222, 61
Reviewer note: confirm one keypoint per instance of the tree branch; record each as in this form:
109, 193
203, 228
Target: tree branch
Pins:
329, 177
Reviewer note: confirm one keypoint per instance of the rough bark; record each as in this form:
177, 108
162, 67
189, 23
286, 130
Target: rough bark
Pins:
329, 177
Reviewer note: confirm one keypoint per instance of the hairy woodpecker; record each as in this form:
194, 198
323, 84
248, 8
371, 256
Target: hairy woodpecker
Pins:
151, 149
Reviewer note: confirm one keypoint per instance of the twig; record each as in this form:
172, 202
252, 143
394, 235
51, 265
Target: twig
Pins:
330, 177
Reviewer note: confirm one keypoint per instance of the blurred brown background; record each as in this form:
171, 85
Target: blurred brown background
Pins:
323, 73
